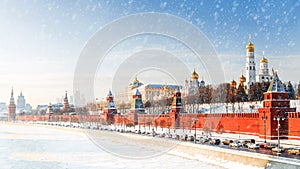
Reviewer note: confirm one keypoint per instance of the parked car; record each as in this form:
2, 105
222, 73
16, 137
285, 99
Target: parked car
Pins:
263, 145
184, 137
227, 142
215, 141
175, 137
270, 145
254, 146
293, 150
246, 142
235, 144
198, 138
168, 136
277, 149
190, 138
204, 140
162, 135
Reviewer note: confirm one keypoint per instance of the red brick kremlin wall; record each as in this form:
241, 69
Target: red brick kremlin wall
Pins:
244, 123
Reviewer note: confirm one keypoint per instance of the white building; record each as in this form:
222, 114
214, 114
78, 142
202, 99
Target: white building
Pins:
264, 74
250, 64
191, 87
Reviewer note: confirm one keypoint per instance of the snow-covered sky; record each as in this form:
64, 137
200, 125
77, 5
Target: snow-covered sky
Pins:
40, 41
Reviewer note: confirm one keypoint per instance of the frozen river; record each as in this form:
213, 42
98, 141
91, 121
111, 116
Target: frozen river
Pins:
28, 146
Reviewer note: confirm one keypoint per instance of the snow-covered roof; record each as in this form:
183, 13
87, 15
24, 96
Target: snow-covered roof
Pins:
276, 84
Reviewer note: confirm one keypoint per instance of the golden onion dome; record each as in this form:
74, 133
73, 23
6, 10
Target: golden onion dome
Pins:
264, 60
233, 83
250, 47
195, 75
243, 79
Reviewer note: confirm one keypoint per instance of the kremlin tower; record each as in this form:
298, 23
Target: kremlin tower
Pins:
176, 108
276, 105
49, 112
110, 110
137, 107
11, 108
250, 64
66, 107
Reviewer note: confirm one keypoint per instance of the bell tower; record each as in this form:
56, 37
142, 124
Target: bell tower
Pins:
250, 64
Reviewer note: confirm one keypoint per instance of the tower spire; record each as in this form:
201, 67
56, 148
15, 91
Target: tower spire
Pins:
12, 100
250, 38
11, 107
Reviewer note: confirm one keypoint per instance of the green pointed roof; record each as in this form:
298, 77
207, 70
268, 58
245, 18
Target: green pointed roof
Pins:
276, 84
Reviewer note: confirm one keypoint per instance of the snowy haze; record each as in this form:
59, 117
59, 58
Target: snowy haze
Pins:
42, 40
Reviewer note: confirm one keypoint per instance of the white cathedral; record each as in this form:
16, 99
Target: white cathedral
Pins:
191, 87
264, 74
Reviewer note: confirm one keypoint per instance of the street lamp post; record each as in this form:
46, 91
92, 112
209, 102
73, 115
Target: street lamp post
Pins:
278, 118
239, 131
264, 118
195, 122
169, 124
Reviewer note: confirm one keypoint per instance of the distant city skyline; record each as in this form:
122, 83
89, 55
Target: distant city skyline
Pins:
42, 40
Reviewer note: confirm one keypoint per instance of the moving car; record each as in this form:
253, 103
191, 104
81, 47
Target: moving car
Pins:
190, 138
270, 145
293, 150
227, 142
215, 141
247, 142
254, 146
235, 144
277, 149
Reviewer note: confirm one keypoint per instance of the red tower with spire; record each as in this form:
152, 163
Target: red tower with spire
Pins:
11, 107
176, 108
110, 110
137, 107
276, 105
66, 107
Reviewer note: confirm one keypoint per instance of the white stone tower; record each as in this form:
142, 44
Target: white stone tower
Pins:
263, 74
250, 64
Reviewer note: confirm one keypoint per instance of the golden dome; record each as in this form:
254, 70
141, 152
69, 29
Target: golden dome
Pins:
264, 60
250, 47
233, 83
195, 75
242, 80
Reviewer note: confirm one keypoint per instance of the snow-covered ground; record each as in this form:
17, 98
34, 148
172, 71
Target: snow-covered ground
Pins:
25, 146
